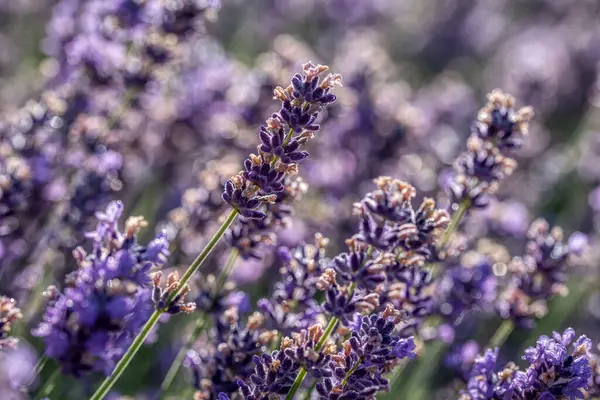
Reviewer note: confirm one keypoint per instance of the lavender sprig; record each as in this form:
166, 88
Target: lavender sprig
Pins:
247, 191
498, 130
410, 234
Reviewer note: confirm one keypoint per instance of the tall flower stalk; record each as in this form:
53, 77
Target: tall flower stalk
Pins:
249, 192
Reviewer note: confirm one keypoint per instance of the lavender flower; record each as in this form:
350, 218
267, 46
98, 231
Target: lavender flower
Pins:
373, 349
389, 221
264, 173
106, 301
396, 274
250, 235
553, 373
537, 276
160, 296
497, 130
470, 285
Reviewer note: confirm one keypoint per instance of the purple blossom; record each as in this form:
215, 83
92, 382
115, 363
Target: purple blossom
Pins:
373, 349
538, 275
497, 131
88, 326
554, 372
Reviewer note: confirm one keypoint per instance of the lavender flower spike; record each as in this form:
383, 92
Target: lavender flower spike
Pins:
281, 139
498, 130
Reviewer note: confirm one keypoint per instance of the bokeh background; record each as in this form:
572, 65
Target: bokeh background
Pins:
415, 74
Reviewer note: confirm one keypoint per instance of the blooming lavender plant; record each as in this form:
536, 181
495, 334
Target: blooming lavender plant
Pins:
554, 371
89, 325
137, 99
348, 280
499, 128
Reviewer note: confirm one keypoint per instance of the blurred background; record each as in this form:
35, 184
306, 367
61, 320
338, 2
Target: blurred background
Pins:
415, 74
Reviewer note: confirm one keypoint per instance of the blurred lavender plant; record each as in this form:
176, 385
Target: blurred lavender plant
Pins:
554, 372
89, 325
498, 130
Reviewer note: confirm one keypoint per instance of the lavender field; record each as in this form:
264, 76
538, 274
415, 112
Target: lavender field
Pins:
299, 199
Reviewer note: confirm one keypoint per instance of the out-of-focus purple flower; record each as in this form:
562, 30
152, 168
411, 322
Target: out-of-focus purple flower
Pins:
9, 313
467, 287
17, 371
539, 275
461, 357
292, 306
88, 326
497, 130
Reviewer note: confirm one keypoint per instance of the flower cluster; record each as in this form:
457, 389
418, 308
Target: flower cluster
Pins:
292, 306
162, 297
467, 285
374, 348
217, 369
9, 313
106, 301
295, 123
499, 128
538, 275
387, 255
354, 282
554, 372
248, 235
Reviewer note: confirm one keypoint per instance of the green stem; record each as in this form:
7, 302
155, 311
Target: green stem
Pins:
193, 268
225, 272
39, 366
502, 333
456, 218
296, 384
308, 394
49, 385
108, 383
